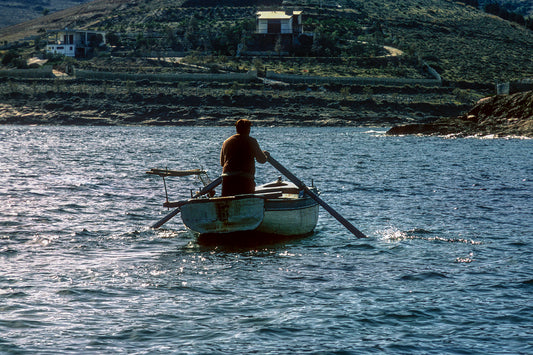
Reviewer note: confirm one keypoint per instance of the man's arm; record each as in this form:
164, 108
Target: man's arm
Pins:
222, 155
260, 156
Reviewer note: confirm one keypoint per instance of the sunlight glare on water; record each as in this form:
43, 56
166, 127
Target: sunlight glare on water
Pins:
446, 268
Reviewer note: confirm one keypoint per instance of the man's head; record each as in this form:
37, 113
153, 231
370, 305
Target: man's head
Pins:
243, 126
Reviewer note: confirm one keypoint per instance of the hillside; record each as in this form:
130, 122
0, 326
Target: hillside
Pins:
86, 15
373, 38
462, 43
18, 11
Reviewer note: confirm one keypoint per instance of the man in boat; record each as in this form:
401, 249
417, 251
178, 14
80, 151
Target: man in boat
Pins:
237, 157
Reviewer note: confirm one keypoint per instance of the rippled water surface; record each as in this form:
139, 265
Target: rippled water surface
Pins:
447, 266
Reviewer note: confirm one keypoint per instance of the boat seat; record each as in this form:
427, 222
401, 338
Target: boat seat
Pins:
279, 185
259, 194
280, 189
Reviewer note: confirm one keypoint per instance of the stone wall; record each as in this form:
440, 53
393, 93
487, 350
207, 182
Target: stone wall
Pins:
227, 77
290, 78
44, 72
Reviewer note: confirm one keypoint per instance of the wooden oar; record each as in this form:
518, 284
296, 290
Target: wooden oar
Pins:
315, 197
203, 191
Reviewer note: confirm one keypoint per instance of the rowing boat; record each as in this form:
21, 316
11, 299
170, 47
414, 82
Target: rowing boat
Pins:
278, 208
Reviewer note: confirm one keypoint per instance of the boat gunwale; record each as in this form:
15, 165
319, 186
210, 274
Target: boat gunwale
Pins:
289, 204
266, 196
271, 204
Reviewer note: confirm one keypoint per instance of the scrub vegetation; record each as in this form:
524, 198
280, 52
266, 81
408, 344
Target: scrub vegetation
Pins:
462, 42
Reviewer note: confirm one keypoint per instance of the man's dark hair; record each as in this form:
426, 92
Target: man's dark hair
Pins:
243, 126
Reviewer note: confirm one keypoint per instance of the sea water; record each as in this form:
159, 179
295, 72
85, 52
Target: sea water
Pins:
446, 268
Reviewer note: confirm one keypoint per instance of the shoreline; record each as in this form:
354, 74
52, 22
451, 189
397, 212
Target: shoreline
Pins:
28, 115
456, 127
424, 111
441, 127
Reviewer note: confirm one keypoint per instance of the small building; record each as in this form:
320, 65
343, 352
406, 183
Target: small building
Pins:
514, 86
279, 32
74, 43
279, 22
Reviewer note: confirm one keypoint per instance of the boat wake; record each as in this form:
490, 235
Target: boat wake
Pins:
395, 235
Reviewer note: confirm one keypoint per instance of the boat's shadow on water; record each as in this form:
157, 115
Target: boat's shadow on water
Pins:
242, 241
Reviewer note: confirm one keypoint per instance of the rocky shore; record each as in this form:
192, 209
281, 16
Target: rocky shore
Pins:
500, 116
194, 111
86, 102
409, 110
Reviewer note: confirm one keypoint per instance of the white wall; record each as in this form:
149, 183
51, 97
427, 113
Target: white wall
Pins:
66, 49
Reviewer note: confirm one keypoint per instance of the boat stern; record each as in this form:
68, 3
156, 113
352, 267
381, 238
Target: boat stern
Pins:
223, 214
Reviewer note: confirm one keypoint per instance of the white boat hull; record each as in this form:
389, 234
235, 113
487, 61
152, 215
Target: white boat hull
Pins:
296, 218
223, 215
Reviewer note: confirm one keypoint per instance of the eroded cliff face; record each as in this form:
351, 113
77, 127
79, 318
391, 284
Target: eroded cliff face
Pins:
501, 115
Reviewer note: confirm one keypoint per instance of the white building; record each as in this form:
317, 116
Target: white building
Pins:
73, 43
279, 22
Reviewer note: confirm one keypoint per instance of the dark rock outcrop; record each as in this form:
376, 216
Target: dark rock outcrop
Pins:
501, 115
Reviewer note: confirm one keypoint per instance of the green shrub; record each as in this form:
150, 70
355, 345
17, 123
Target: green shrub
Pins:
10, 57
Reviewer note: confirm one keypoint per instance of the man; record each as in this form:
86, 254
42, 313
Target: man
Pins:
237, 158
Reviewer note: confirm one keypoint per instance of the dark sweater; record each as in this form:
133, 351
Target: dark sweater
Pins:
239, 153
